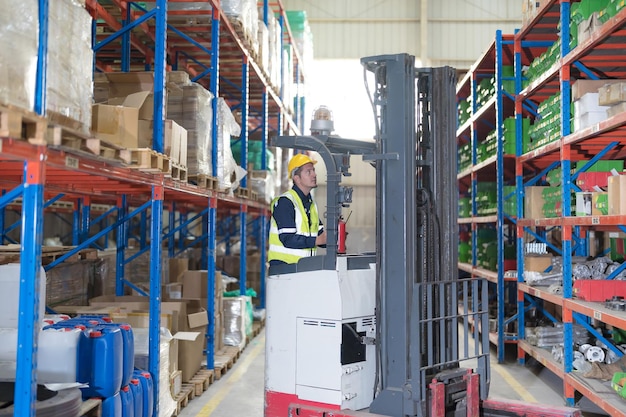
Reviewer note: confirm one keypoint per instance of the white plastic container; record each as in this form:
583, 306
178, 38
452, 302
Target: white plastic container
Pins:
57, 355
10, 294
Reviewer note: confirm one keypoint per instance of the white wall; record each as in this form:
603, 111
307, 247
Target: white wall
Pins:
441, 32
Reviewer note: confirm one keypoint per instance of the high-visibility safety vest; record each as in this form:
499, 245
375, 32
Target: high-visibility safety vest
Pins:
277, 250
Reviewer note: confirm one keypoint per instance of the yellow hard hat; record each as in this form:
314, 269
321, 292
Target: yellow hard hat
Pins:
299, 160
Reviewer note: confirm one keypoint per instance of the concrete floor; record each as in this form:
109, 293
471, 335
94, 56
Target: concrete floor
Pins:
240, 391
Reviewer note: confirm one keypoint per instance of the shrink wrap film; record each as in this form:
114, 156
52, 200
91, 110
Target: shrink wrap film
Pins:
70, 64
19, 31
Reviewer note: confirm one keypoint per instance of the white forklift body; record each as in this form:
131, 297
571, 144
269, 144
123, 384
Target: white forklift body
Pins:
315, 324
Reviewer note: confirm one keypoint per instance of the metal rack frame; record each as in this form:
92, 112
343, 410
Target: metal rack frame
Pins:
599, 140
489, 116
46, 170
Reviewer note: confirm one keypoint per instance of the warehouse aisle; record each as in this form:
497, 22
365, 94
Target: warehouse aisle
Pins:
240, 391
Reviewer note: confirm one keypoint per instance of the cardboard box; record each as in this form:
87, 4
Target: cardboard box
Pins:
537, 263
582, 87
119, 124
599, 204
219, 332
171, 140
172, 137
533, 202
177, 266
183, 147
616, 109
141, 320
231, 264
121, 84
176, 383
146, 109
145, 134
195, 284
172, 291
617, 194
140, 304
617, 93
587, 27
191, 351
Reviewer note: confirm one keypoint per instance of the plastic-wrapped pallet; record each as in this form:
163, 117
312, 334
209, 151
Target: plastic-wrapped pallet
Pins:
262, 182
235, 321
196, 118
19, 29
288, 77
167, 405
244, 13
264, 47
275, 53
70, 64
227, 127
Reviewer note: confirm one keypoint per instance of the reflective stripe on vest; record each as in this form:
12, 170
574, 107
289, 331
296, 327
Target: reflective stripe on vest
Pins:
277, 251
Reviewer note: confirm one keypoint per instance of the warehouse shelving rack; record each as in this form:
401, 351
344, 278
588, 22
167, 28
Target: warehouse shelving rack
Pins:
128, 39
484, 118
599, 56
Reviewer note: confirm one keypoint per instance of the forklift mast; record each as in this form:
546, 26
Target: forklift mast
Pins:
417, 237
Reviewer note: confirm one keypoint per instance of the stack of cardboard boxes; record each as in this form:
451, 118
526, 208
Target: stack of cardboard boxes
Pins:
124, 114
230, 264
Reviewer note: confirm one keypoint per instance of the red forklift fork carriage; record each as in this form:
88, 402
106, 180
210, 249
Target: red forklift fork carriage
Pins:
488, 408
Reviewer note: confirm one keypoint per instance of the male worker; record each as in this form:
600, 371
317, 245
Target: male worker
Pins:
296, 229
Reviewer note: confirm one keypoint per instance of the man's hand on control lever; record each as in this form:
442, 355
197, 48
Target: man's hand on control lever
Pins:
321, 239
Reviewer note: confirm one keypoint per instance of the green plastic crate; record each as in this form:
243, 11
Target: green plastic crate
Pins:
618, 383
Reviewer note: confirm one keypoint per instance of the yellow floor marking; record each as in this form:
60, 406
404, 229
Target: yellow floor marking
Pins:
210, 406
517, 387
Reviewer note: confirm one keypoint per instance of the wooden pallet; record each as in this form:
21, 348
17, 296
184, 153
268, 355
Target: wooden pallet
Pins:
186, 394
49, 254
242, 35
59, 135
257, 326
179, 172
225, 359
148, 160
91, 408
22, 124
75, 142
201, 381
204, 181
243, 192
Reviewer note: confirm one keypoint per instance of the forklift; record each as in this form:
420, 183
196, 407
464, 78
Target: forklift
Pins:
378, 334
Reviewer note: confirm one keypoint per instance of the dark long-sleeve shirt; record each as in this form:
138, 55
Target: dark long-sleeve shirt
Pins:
285, 216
